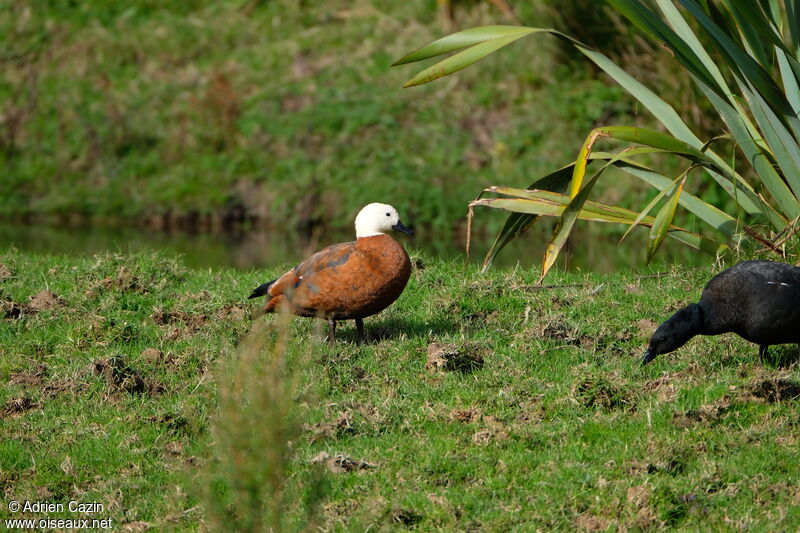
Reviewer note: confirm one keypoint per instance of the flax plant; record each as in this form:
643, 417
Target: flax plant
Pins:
744, 57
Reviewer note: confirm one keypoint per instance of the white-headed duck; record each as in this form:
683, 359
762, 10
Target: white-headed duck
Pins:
350, 280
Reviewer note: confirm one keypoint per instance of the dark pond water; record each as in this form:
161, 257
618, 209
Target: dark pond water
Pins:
256, 249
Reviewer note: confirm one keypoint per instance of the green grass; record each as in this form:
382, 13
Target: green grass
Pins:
549, 421
149, 109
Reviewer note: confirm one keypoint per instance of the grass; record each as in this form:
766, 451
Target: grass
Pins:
479, 402
156, 111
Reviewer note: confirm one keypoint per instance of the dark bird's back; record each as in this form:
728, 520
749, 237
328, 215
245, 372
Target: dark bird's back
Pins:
759, 300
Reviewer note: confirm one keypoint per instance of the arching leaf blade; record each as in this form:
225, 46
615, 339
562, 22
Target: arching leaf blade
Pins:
464, 59
663, 220
461, 39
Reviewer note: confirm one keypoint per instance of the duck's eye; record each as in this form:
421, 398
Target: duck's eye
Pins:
388, 214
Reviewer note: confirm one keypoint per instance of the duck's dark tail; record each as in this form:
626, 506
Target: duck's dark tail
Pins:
262, 289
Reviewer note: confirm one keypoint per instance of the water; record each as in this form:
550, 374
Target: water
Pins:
586, 250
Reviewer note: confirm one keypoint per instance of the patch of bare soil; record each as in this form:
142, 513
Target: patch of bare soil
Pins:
16, 406
33, 377
9, 309
663, 387
407, 517
466, 416
36, 378
153, 355
483, 316
647, 327
44, 300
633, 288
600, 392
5, 272
41, 301
125, 281
233, 312
494, 431
560, 332
339, 463
163, 318
326, 430
639, 499
531, 410
772, 389
590, 522
173, 423
182, 324
706, 413
119, 376
465, 359
51, 388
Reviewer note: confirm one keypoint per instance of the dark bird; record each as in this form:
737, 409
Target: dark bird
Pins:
757, 300
350, 280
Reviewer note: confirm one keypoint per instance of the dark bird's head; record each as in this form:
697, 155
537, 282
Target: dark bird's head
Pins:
675, 332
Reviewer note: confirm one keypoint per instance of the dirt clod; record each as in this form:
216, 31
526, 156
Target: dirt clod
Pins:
233, 312
450, 357
590, 522
494, 431
32, 377
599, 392
773, 390
17, 406
465, 416
325, 430
152, 355
633, 288
639, 495
44, 300
11, 309
340, 463
118, 375
663, 387
706, 413
646, 326
407, 517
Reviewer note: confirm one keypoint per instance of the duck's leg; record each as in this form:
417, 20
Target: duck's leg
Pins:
331, 331
762, 352
359, 330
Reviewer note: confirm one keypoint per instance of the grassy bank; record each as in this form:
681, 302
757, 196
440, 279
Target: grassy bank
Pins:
479, 402
194, 113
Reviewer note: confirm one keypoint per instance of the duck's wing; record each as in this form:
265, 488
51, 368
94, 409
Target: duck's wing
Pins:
326, 262
306, 285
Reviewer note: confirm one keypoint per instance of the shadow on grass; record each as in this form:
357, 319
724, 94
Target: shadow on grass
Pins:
782, 356
379, 330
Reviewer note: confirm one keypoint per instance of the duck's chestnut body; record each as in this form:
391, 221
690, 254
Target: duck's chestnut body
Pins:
350, 280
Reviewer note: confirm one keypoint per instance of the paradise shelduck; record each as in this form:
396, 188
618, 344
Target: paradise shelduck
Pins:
758, 300
350, 280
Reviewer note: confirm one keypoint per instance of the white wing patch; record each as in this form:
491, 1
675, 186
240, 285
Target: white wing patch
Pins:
776, 283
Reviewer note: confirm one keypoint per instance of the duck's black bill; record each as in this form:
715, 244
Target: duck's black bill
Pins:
402, 228
648, 356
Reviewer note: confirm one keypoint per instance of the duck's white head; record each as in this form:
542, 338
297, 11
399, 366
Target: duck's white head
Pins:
376, 219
